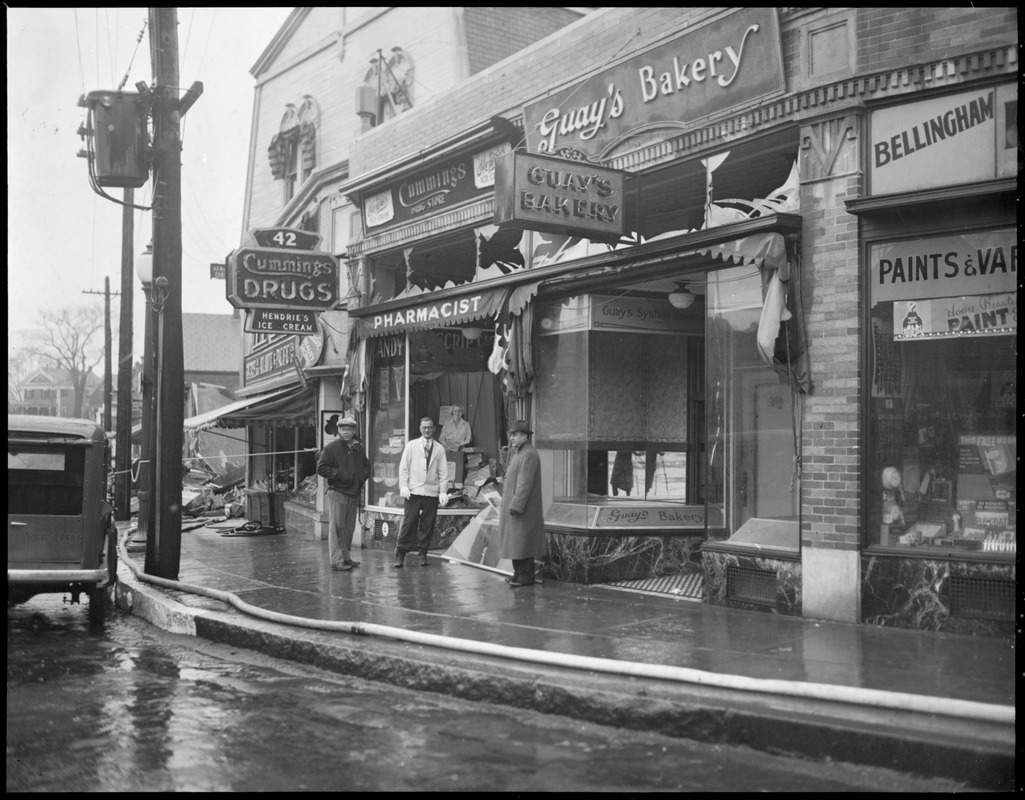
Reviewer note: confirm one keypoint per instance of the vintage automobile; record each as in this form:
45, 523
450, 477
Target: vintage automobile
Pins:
61, 536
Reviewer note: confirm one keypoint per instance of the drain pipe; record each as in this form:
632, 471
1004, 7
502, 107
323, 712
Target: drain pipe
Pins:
876, 698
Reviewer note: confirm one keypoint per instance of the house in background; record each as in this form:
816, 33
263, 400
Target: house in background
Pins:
50, 392
212, 346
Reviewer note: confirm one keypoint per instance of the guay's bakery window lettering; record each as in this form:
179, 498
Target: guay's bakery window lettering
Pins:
730, 61
945, 266
945, 141
652, 516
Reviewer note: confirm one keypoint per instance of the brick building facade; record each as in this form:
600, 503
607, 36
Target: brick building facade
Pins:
837, 149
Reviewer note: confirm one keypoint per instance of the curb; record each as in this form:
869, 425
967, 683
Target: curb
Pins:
981, 754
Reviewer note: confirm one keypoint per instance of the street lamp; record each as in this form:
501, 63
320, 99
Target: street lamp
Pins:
156, 296
144, 269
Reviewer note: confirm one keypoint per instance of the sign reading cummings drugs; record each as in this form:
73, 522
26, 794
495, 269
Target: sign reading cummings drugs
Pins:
730, 61
560, 196
265, 277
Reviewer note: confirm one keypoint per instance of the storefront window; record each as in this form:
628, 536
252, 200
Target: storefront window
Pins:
448, 381
750, 435
387, 417
283, 459
942, 437
619, 404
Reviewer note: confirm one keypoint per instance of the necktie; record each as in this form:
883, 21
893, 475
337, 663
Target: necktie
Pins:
427, 452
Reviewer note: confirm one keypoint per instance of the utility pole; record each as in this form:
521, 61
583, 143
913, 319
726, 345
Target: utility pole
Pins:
163, 551
107, 378
123, 439
108, 394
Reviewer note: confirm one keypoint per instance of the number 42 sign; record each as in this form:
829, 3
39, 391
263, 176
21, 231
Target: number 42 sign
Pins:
289, 238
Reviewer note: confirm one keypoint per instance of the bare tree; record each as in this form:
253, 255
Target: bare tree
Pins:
70, 339
19, 367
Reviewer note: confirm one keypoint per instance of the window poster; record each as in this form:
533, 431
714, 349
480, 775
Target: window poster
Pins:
980, 315
986, 484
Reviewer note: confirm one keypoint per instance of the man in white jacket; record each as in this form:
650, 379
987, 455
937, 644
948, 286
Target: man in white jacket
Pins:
423, 484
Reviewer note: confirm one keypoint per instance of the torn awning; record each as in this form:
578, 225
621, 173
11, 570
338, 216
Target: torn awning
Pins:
282, 407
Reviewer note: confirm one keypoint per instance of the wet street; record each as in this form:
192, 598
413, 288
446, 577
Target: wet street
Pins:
133, 708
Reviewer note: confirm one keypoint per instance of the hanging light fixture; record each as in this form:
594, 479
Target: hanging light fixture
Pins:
472, 333
682, 297
424, 354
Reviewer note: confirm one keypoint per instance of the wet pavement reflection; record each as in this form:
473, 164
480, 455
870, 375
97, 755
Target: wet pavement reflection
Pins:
131, 707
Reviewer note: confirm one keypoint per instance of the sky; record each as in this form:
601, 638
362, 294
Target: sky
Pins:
63, 239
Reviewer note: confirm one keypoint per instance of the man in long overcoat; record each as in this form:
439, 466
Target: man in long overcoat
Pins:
521, 525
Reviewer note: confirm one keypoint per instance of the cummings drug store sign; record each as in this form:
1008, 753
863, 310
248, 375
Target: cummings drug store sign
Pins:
733, 60
439, 188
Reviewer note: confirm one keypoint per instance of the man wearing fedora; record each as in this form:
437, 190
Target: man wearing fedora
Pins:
346, 467
521, 525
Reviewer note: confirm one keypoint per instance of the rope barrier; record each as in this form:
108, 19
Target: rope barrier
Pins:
246, 455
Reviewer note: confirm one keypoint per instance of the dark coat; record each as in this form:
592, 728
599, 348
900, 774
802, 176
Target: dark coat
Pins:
346, 467
522, 534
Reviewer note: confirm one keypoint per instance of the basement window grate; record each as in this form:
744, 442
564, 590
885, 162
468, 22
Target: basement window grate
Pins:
981, 598
755, 586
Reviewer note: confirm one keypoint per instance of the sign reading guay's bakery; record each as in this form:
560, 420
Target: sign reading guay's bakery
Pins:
730, 61
558, 195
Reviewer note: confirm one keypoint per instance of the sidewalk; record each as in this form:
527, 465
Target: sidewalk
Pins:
743, 672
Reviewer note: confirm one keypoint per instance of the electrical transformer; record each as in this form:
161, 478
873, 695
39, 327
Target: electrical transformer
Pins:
120, 138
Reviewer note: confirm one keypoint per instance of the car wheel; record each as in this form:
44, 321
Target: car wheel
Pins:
98, 602
100, 597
